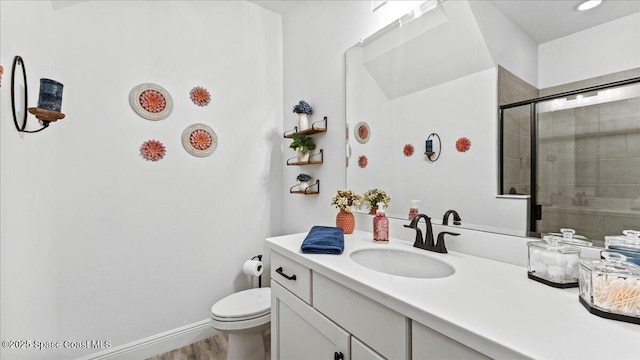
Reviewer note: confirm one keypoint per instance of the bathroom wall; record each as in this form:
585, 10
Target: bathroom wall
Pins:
115, 247
28, 299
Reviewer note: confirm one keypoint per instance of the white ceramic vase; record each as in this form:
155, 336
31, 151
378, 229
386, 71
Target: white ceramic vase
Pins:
303, 122
302, 157
303, 185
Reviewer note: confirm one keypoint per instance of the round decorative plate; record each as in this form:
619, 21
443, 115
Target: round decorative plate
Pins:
199, 140
362, 132
151, 101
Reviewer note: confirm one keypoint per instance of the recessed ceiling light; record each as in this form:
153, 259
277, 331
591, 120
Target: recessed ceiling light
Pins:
589, 4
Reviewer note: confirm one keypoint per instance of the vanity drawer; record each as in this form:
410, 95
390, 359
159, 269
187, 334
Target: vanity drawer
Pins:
384, 330
292, 276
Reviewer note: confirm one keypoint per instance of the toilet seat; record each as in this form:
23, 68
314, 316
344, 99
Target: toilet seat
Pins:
243, 305
243, 310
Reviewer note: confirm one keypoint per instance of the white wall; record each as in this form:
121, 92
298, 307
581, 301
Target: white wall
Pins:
142, 247
28, 299
600, 50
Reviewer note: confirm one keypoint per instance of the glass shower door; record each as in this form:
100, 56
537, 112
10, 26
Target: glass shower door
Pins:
588, 162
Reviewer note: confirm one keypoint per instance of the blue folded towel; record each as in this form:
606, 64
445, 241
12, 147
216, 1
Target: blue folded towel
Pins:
324, 240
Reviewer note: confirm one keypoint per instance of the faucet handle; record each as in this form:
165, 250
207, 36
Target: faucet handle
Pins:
440, 246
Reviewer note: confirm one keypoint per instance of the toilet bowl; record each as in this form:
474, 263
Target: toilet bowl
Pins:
244, 317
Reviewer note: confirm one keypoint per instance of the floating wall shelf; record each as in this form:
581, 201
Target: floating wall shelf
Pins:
307, 191
313, 160
45, 116
315, 128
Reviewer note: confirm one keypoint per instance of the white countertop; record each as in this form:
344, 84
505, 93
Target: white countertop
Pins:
487, 305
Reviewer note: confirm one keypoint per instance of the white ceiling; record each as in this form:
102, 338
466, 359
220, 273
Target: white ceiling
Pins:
543, 20
546, 20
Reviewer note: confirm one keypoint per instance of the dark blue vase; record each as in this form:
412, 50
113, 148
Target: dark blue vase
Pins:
50, 95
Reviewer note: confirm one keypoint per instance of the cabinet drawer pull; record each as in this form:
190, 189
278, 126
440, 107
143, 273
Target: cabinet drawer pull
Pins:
279, 271
338, 356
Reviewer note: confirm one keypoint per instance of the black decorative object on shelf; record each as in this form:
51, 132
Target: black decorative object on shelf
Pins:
49, 102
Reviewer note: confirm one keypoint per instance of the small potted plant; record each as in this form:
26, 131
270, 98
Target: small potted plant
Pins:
302, 109
373, 197
304, 145
303, 181
346, 200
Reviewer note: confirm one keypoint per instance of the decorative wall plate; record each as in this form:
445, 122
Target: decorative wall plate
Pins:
362, 132
151, 101
199, 140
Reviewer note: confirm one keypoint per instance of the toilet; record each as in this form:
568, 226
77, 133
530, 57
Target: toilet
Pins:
244, 317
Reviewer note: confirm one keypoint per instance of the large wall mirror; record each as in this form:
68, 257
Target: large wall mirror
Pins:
435, 71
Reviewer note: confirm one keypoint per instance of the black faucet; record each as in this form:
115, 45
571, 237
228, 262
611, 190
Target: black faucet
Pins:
456, 218
427, 243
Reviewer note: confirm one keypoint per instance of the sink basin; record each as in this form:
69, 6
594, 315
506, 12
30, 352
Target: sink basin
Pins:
402, 263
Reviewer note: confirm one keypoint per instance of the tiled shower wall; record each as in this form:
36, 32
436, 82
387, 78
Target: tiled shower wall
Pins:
516, 132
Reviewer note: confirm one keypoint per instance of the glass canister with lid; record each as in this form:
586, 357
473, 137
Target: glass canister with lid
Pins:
610, 287
627, 244
554, 262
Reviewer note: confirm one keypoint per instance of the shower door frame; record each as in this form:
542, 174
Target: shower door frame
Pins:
535, 210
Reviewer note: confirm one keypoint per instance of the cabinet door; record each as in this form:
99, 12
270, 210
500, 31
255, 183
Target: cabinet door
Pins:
430, 344
360, 351
300, 332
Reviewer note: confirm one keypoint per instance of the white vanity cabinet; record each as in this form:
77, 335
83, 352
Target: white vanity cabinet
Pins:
300, 332
324, 330
429, 344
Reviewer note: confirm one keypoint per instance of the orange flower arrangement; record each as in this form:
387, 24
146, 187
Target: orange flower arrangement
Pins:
463, 144
200, 96
153, 150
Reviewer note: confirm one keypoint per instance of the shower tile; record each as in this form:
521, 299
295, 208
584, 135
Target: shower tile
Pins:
633, 144
620, 118
586, 148
587, 122
586, 173
563, 149
612, 191
564, 123
613, 171
565, 173
613, 146
633, 171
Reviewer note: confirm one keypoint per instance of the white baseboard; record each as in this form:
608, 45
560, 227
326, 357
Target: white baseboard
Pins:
157, 344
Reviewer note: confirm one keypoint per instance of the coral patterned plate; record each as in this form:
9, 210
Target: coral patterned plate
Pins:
362, 132
151, 101
199, 140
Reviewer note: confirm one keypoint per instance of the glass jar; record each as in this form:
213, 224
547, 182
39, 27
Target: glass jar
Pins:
553, 263
627, 244
610, 287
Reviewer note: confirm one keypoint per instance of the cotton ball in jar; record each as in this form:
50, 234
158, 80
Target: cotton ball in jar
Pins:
540, 268
555, 271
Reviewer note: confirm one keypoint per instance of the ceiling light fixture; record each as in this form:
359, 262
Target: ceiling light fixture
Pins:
589, 4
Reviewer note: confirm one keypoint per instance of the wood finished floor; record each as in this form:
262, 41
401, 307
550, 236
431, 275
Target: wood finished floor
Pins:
213, 348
